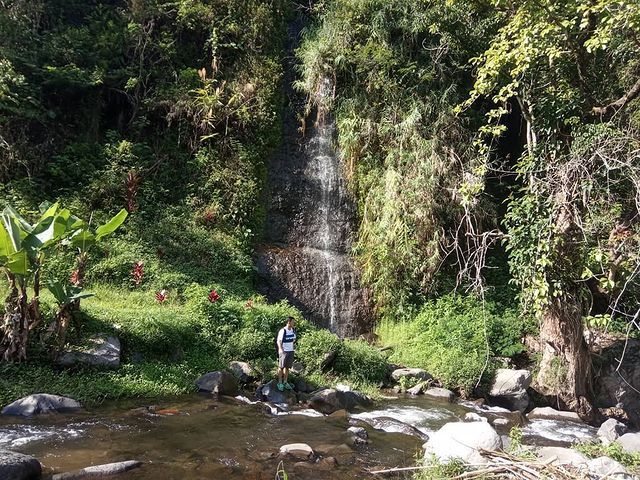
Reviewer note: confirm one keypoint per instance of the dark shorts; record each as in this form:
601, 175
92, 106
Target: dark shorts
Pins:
285, 360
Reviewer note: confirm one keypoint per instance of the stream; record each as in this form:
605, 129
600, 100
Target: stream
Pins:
199, 437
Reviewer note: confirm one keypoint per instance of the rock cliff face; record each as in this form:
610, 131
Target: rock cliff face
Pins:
304, 256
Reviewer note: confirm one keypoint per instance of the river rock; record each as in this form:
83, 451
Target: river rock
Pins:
98, 470
509, 389
16, 466
330, 400
610, 430
630, 442
102, 350
221, 383
416, 389
359, 432
463, 440
411, 374
297, 450
606, 467
618, 384
243, 371
269, 393
302, 386
561, 456
388, 424
548, 413
41, 403
440, 394
474, 417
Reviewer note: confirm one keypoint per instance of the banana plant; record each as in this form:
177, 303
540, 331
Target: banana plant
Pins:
66, 295
22, 252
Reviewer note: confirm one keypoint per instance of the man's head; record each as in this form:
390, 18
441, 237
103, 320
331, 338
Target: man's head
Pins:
291, 322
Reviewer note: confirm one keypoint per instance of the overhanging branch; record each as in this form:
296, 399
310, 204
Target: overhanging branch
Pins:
620, 103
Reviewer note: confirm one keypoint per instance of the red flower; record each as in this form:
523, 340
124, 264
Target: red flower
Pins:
213, 296
161, 296
137, 273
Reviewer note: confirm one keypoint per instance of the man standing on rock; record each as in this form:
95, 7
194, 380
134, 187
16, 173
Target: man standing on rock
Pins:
286, 338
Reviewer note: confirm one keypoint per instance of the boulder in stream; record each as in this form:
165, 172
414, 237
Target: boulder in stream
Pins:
389, 424
605, 467
548, 413
106, 470
561, 456
297, 450
102, 350
416, 374
41, 403
630, 442
509, 389
610, 430
269, 393
243, 371
440, 394
329, 400
221, 383
463, 440
16, 466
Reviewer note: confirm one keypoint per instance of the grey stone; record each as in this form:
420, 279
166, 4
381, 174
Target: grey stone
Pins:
608, 468
41, 403
302, 386
474, 417
630, 442
330, 400
98, 470
561, 456
16, 466
410, 373
548, 413
509, 382
100, 350
221, 383
243, 371
509, 389
610, 430
297, 450
388, 424
297, 368
463, 440
440, 394
269, 392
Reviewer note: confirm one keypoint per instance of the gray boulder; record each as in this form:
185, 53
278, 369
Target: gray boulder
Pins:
388, 424
548, 413
243, 371
440, 394
106, 470
16, 466
463, 440
269, 393
41, 403
329, 400
416, 389
102, 350
561, 456
415, 374
297, 450
610, 430
509, 389
605, 467
220, 383
630, 442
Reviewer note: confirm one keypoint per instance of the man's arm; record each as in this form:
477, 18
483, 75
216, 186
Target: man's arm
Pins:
279, 341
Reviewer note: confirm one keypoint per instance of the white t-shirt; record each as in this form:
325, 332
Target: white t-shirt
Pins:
286, 336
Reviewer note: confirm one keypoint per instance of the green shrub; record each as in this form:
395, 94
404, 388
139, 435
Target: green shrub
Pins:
249, 344
453, 337
312, 347
360, 363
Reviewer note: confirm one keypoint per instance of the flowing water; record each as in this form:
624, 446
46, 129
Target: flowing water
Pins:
199, 437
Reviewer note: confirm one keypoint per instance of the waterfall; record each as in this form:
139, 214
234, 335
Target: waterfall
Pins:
304, 256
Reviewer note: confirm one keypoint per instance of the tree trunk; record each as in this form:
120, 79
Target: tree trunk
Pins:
565, 369
15, 323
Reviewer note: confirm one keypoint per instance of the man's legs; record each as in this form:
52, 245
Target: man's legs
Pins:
286, 375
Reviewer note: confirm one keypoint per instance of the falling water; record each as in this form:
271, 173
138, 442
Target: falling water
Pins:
305, 253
